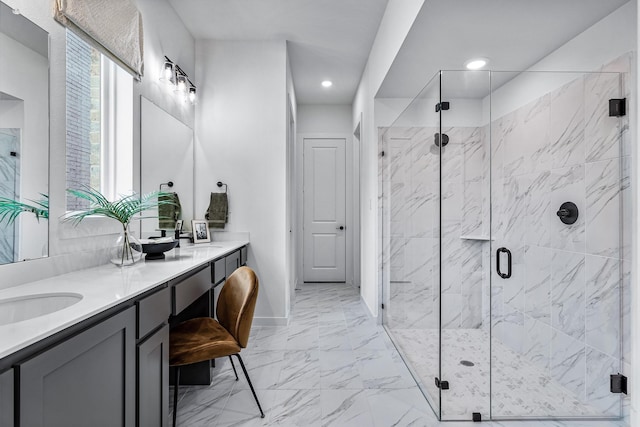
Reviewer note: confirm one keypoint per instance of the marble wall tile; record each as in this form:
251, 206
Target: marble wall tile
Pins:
568, 185
603, 207
567, 363
501, 134
603, 304
514, 287
566, 125
471, 313
599, 368
397, 261
508, 328
537, 345
474, 155
472, 215
601, 131
419, 255
527, 145
568, 293
451, 310
538, 283
539, 213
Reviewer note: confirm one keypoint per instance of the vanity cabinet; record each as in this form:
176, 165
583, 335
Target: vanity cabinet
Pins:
153, 379
88, 379
153, 358
6, 399
232, 262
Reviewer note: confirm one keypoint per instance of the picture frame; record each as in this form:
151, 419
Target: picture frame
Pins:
200, 229
179, 225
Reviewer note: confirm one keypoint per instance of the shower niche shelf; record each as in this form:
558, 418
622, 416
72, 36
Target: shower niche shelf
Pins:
479, 237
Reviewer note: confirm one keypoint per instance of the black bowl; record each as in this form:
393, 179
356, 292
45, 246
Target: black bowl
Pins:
157, 250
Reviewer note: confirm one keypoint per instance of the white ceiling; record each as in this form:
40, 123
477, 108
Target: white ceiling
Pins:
328, 39
513, 34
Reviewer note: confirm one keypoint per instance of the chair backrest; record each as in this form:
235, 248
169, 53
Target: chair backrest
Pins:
237, 302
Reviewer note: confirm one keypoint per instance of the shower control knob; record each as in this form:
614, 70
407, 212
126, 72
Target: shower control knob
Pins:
568, 213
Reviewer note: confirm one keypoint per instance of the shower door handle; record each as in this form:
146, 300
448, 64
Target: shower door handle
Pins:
500, 273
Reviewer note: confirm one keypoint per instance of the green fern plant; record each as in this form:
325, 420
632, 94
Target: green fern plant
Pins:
10, 209
122, 210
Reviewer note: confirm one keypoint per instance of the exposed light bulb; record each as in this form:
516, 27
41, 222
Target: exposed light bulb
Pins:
192, 95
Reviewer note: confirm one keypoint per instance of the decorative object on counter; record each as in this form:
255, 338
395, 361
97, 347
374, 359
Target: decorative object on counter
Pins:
10, 209
155, 248
200, 230
127, 249
218, 210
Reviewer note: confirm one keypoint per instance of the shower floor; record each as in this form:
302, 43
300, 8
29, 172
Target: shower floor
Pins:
519, 389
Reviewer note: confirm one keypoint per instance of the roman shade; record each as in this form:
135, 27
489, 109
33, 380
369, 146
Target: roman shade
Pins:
114, 27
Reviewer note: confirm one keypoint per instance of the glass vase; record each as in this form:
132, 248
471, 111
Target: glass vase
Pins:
127, 250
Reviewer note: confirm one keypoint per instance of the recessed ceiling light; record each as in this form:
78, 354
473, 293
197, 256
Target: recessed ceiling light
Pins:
476, 63
327, 83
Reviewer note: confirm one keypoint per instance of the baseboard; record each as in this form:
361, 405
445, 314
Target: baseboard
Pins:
270, 321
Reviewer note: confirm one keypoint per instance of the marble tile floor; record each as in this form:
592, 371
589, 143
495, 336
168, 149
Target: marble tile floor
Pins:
331, 366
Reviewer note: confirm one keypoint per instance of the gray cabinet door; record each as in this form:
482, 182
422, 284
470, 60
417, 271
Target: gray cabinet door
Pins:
153, 379
87, 380
6, 399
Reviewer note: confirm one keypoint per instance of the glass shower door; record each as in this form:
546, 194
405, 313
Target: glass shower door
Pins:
559, 174
409, 224
463, 239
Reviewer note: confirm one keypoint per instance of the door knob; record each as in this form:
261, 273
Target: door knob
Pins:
340, 228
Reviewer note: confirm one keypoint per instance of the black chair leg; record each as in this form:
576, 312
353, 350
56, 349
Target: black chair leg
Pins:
255, 396
176, 383
234, 367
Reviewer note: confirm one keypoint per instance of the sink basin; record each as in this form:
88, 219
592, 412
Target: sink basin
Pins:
17, 309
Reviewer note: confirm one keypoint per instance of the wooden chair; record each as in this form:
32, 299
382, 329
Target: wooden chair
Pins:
204, 338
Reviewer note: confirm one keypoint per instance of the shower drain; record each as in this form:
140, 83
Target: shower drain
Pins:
466, 363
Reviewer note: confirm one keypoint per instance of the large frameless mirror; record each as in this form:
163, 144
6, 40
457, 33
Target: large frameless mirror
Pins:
24, 138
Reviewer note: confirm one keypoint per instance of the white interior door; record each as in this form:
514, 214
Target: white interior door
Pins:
324, 210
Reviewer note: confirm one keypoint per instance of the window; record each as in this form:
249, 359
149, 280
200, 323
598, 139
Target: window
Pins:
99, 123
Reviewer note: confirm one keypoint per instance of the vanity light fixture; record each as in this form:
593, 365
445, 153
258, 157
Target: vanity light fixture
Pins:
181, 84
168, 74
476, 63
327, 83
175, 76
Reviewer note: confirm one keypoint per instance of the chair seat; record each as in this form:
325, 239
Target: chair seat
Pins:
200, 339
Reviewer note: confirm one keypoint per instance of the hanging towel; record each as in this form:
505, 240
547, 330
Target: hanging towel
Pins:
218, 211
168, 213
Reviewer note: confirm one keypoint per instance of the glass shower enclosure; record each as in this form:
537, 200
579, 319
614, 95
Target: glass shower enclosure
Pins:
504, 214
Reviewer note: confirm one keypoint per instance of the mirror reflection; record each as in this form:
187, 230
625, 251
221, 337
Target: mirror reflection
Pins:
167, 165
24, 138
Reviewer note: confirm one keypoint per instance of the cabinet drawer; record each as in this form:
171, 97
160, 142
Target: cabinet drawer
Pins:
190, 289
6, 399
218, 271
232, 262
153, 311
243, 255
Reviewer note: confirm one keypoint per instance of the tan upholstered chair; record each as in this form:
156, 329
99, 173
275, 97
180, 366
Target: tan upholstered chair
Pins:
205, 338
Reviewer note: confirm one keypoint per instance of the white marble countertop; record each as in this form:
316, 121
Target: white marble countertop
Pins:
101, 288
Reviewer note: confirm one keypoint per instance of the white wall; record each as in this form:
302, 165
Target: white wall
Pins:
71, 249
324, 118
394, 27
241, 140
